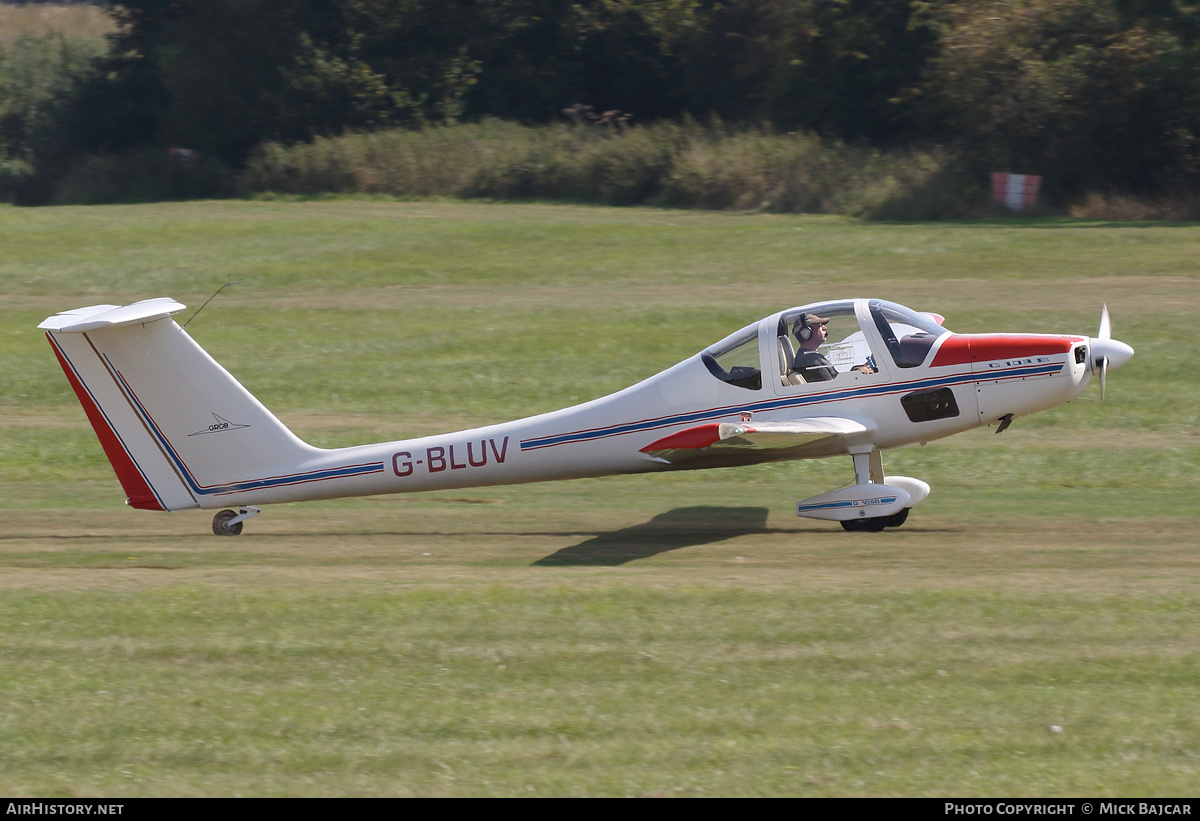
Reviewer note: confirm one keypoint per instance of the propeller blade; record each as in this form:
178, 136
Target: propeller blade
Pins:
1107, 352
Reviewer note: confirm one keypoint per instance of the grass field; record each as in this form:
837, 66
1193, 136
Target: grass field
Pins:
1032, 631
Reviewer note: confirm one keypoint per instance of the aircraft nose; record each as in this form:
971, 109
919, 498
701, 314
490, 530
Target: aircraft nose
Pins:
1117, 352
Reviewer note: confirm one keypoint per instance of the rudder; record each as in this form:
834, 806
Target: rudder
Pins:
179, 430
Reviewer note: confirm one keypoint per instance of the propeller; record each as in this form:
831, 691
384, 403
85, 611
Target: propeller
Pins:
1106, 351
1105, 332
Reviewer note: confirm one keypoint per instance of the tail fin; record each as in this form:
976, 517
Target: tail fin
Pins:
178, 429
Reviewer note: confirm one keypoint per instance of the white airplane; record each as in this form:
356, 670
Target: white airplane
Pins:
852, 376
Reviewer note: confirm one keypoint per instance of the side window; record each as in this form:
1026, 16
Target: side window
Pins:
736, 361
806, 356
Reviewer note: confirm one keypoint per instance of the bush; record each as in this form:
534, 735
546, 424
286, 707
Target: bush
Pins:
683, 165
1180, 207
147, 174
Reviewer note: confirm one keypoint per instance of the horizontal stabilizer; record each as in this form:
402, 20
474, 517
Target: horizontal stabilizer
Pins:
95, 317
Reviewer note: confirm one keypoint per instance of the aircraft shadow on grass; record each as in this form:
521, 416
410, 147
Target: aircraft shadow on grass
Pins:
673, 530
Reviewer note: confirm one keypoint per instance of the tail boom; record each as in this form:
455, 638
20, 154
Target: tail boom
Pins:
182, 433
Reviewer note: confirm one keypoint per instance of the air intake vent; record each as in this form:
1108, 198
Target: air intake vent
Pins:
925, 406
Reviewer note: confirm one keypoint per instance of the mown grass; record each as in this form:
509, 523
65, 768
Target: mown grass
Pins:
681, 634
694, 690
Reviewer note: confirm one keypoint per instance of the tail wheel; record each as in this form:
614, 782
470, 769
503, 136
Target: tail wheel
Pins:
221, 525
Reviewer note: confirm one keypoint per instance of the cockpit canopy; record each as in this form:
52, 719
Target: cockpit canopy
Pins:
859, 335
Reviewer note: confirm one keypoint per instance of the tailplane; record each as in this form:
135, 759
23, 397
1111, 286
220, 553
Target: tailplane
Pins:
179, 430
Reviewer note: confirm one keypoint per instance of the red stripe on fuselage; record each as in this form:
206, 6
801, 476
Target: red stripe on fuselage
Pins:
960, 349
132, 482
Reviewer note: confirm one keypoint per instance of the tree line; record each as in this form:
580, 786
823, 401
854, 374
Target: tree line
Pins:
1094, 95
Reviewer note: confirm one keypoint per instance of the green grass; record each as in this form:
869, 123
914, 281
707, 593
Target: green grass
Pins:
476, 692
679, 634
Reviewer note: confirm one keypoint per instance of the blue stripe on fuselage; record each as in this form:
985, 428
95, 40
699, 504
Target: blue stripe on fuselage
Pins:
789, 402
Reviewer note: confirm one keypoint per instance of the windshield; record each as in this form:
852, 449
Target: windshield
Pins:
909, 336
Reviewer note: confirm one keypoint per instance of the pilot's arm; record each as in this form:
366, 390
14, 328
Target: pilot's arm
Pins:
868, 366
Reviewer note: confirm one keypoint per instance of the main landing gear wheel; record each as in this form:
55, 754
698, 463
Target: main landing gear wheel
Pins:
877, 524
221, 525
864, 525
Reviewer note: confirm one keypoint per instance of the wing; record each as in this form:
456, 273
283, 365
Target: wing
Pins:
747, 443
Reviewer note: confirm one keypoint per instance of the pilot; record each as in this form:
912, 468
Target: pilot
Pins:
810, 331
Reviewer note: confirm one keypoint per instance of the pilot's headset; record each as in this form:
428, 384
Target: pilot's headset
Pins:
802, 329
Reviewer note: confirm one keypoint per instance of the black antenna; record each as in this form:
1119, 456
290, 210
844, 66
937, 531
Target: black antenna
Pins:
210, 299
